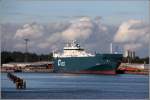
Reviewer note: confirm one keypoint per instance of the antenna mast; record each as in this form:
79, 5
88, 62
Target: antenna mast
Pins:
111, 48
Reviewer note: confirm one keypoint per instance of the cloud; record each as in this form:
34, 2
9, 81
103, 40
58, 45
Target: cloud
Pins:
7, 31
132, 46
51, 41
132, 33
32, 30
43, 45
91, 33
79, 29
19, 45
82, 29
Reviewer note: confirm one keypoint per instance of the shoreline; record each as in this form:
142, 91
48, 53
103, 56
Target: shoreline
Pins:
125, 72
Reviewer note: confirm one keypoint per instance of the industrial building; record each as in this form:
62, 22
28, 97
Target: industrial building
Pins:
32, 66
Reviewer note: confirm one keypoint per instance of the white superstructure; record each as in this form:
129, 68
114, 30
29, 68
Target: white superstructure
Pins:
72, 50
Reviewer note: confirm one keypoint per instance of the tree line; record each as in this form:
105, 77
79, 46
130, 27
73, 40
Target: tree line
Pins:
136, 60
16, 56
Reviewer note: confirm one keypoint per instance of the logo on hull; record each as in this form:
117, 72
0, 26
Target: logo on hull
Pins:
61, 63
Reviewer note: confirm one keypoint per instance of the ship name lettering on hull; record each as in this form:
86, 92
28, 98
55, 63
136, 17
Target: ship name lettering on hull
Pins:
61, 63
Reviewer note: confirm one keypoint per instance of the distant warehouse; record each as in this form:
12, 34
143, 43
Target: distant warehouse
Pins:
33, 66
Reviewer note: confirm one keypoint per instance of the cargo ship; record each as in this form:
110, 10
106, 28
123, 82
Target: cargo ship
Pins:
75, 59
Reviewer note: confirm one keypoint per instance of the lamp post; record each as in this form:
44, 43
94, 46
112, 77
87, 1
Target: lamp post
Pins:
26, 49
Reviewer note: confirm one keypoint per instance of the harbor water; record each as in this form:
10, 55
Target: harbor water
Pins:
76, 86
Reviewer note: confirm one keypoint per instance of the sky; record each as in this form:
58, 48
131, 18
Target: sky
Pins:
49, 23
112, 11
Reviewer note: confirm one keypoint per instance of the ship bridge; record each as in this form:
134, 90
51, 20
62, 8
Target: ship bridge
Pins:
73, 49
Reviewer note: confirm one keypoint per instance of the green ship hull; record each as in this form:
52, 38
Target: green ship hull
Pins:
98, 64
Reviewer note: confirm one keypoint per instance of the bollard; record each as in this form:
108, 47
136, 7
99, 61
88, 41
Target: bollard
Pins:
17, 85
21, 84
14, 79
24, 83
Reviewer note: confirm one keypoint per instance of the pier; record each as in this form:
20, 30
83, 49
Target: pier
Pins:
132, 68
20, 83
